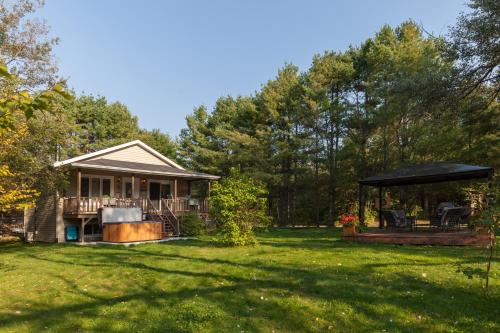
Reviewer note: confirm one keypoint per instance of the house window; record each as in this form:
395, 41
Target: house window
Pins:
92, 229
96, 187
128, 190
85, 187
106, 187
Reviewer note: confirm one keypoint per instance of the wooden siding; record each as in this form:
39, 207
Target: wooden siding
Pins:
132, 154
131, 232
41, 220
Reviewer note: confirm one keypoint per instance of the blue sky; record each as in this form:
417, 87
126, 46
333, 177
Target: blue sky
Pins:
163, 58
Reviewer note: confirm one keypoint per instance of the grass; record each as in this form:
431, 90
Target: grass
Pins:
294, 281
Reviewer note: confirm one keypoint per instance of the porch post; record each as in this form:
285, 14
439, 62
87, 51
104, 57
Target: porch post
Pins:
380, 219
133, 185
175, 194
78, 188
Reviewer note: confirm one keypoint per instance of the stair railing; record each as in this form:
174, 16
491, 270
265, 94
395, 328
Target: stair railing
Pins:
169, 214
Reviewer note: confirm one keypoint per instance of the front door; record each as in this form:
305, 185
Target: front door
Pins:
154, 194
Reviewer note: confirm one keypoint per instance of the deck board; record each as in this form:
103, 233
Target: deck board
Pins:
460, 238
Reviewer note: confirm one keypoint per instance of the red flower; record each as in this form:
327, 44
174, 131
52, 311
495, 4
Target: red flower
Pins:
348, 220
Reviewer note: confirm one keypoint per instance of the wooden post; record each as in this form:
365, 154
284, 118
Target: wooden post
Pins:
78, 188
209, 189
175, 194
361, 205
133, 185
380, 218
80, 233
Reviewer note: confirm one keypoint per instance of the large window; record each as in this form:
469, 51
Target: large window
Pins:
96, 186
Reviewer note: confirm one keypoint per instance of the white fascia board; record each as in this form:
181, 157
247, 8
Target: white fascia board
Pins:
138, 171
114, 148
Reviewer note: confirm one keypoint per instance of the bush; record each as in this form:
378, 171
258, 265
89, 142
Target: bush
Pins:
192, 225
239, 206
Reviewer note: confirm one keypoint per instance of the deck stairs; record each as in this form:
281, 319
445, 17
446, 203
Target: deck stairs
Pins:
167, 217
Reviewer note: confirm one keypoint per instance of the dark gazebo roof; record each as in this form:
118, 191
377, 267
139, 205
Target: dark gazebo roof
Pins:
428, 173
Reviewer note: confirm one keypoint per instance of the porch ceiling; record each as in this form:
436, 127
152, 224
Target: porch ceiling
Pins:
141, 168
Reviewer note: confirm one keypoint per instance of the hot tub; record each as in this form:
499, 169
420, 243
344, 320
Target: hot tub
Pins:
123, 225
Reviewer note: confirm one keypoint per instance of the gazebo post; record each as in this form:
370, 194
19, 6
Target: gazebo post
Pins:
489, 192
361, 205
380, 219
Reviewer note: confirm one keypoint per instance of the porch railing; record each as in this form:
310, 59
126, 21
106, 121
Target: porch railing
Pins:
187, 205
86, 205
91, 205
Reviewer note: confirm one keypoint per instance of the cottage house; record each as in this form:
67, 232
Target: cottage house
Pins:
128, 192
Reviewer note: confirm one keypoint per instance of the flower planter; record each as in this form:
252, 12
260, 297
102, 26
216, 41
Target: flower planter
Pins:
349, 230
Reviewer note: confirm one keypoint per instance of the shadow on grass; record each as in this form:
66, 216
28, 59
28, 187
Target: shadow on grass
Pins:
375, 302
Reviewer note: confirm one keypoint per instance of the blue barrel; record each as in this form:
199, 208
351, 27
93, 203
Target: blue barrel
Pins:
71, 233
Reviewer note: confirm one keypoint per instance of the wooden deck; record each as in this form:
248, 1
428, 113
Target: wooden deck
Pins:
455, 238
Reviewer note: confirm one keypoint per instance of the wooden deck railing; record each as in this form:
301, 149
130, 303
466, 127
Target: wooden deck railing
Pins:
91, 205
187, 205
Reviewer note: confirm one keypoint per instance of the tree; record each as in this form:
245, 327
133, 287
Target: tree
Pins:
280, 104
238, 205
25, 45
158, 140
474, 42
17, 183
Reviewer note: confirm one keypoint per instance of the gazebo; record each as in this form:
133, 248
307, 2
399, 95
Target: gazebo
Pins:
421, 174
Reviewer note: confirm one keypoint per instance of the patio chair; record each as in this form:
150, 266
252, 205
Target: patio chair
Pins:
436, 220
453, 218
444, 205
396, 219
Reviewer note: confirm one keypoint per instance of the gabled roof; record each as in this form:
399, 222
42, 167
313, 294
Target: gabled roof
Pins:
98, 161
115, 148
428, 173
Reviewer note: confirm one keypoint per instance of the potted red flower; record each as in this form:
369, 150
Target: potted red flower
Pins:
349, 223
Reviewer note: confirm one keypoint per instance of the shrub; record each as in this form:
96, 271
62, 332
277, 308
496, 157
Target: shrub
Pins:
192, 225
239, 206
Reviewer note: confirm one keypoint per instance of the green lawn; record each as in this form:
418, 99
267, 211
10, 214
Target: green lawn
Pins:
294, 281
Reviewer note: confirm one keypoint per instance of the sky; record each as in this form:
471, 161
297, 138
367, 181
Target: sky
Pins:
163, 58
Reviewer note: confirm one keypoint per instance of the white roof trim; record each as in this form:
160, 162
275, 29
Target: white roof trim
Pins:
180, 175
114, 148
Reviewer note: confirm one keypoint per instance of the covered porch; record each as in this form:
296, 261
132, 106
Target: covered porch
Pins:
163, 197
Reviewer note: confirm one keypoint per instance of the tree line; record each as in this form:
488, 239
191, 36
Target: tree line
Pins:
401, 97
